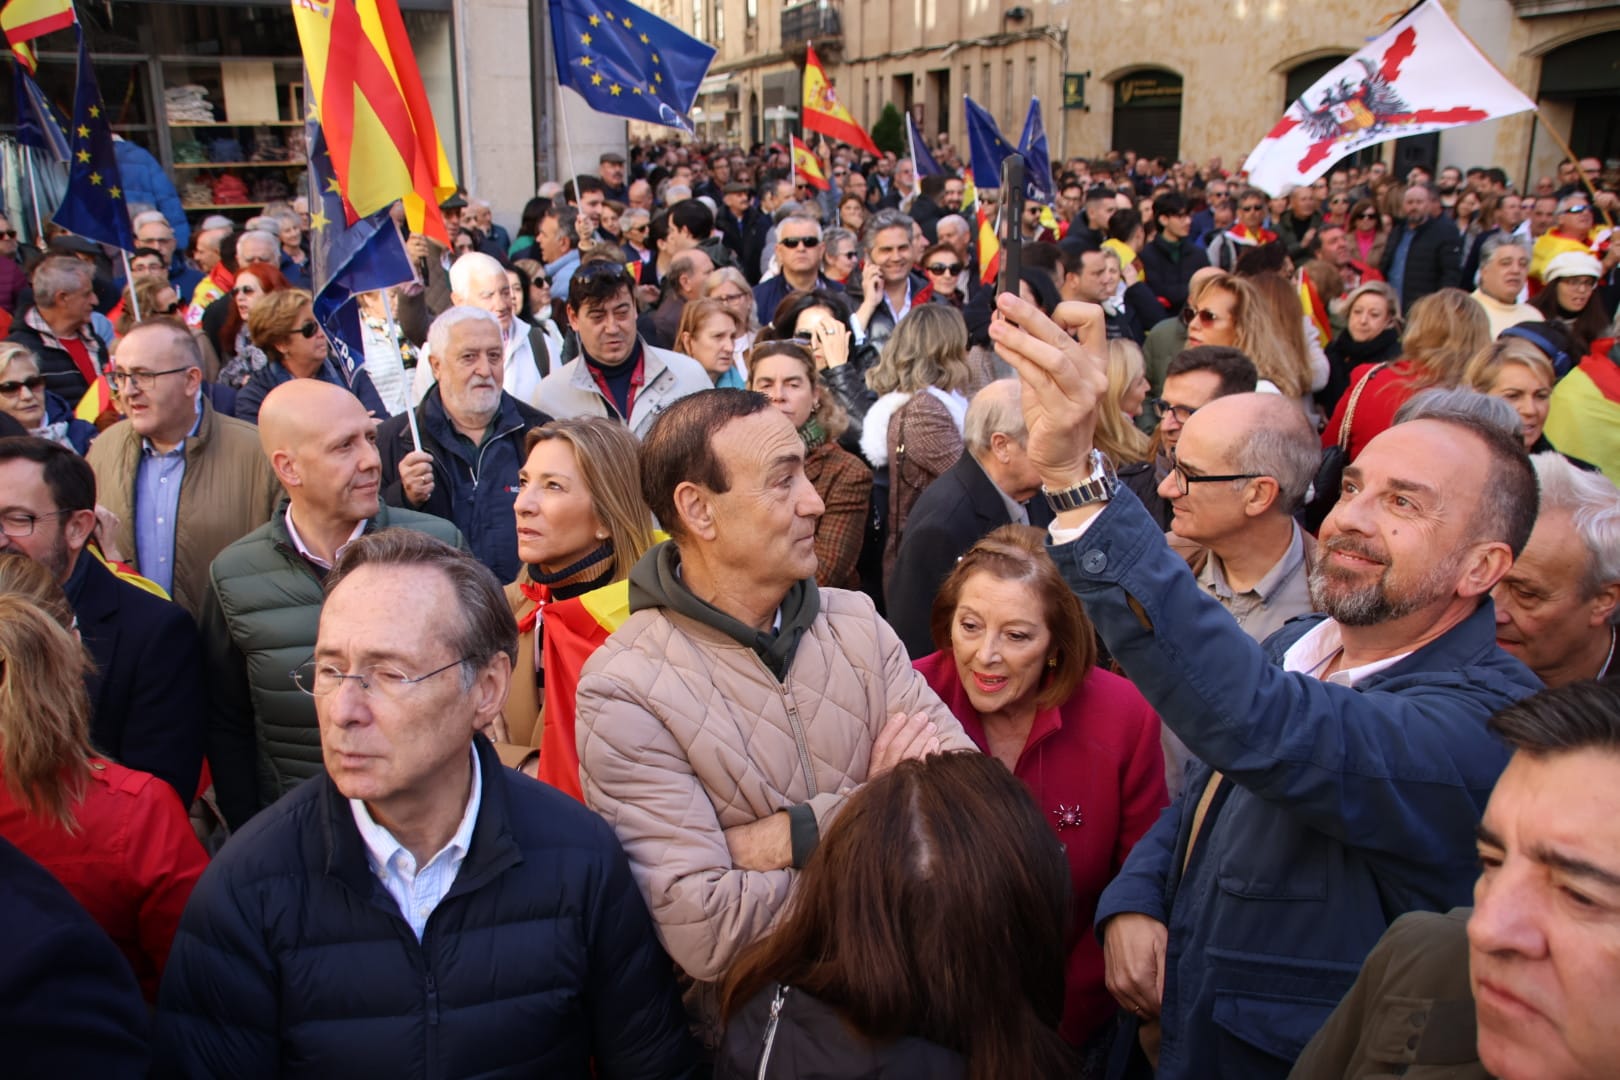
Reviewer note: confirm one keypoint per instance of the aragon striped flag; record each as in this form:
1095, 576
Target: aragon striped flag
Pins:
25, 20
824, 113
378, 123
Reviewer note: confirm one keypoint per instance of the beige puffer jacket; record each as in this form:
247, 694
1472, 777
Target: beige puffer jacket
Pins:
683, 733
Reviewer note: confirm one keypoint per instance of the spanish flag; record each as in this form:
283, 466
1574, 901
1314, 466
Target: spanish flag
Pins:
369, 97
25, 20
574, 629
823, 113
989, 249
806, 169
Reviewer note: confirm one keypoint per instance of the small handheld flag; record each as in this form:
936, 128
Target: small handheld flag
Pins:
824, 113
93, 206
626, 61
25, 20
806, 169
989, 249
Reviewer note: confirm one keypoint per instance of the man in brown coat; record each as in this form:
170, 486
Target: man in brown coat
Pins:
722, 726
183, 481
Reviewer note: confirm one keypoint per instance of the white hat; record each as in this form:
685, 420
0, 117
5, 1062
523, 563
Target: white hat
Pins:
1571, 264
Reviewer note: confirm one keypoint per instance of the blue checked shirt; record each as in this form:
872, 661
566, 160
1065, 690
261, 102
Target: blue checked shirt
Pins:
418, 891
157, 504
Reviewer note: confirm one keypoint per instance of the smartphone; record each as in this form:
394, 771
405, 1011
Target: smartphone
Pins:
1012, 224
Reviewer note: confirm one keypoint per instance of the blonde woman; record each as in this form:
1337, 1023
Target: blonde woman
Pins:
581, 526
1117, 434
117, 839
706, 333
1519, 373
1444, 330
23, 397
913, 432
728, 286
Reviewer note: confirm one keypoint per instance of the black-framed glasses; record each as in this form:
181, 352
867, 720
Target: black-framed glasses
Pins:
243, 290
20, 523
799, 241
1185, 479
319, 680
141, 380
36, 383
1162, 408
170, 310
945, 268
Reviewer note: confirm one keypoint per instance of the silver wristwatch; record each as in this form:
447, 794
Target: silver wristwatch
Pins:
1098, 487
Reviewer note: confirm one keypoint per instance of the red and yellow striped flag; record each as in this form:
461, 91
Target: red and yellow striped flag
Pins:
989, 249
824, 113
25, 20
805, 166
574, 629
371, 103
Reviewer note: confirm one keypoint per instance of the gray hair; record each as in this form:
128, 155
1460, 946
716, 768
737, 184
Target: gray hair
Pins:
995, 410
882, 221
150, 217
831, 238
633, 216
953, 220
438, 335
183, 348
472, 264
567, 218
262, 236
59, 274
1459, 402
1285, 447
1496, 243
486, 630
800, 215
1593, 503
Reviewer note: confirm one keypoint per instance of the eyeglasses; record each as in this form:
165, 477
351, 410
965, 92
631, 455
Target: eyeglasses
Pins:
1251, 208
20, 523
308, 330
603, 269
1580, 284
951, 269
141, 380
850, 254
1202, 316
320, 680
36, 383
799, 241
1367, 215
1184, 478
1162, 408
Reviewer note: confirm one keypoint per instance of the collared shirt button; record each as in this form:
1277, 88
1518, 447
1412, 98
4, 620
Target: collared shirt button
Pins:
1094, 562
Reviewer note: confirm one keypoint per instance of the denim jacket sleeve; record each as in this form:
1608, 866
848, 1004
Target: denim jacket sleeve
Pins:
1393, 772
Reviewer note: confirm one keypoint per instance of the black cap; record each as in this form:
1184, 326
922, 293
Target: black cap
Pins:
612, 156
454, 202
735, 188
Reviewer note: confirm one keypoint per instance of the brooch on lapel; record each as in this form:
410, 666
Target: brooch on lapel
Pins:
1068, 817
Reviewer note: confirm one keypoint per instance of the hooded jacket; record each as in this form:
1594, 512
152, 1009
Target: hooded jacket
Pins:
691, 723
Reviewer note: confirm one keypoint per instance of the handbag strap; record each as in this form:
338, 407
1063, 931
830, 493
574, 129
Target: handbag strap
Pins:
1350, 413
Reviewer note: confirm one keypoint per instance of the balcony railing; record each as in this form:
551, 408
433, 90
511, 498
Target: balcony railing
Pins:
818, 22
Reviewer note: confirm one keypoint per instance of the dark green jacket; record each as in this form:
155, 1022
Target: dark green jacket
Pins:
259, 623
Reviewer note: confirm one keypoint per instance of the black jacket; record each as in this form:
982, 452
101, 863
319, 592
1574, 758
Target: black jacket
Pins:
813, 1042
474, 488
1433, 262
150, 711
62, 375
292, 958
952, 514
1169, 268
69, 1005
926, 213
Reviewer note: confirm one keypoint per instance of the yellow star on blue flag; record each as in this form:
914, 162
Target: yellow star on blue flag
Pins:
599, 53
93, 205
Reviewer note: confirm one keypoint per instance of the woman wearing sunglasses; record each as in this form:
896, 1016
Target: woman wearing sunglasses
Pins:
238, 356
1367, 232
23, 397
153, 298
944, 268
283, 325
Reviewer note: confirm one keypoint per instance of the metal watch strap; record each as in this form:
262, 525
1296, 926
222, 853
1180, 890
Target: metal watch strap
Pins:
1098, 487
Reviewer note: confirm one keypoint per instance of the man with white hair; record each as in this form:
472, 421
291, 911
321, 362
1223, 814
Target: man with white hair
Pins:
798, 253
472, 432
1503, 264
1557, 607
253, 248
954, 230
477, 280
482, 218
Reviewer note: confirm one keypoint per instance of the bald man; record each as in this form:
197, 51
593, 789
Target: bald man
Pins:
264, 594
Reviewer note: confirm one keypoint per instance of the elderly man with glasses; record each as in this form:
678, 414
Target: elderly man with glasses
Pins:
1248, 231
798, 252
1573, 230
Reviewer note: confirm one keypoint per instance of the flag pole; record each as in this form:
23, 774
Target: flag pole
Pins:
1569, 153
129, 276
33, 197
568, 152
393, 342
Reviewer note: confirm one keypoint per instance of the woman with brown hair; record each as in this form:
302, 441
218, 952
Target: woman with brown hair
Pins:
894, 960
706, 333
913, 432
117, 839
1262, 316
785, 372
283, 325
1017, 665
1367, 235
1443, 332
581, 526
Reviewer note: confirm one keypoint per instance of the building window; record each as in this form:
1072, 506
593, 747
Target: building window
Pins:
697, 20
751, 9
1007, 94
1034, 74
720, 20
967, 79
984, 87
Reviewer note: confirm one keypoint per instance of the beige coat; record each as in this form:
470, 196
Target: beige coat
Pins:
229, 489
684, 733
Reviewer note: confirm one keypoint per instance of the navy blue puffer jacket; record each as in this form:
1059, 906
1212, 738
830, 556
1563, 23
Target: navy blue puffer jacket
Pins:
292, 959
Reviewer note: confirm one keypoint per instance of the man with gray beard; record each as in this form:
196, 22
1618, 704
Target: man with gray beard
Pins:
1344, 764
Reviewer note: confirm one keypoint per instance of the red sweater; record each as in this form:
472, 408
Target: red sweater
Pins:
1097, 754
132, 863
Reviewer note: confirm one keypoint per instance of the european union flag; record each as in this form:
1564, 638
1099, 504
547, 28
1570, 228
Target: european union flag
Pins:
920, 157
626, 61
987, 149
93, 206
1037, 158
346, 259
40, 123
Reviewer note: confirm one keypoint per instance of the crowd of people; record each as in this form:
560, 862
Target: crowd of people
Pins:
710, 631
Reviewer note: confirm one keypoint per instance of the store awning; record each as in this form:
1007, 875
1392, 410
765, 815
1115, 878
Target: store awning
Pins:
714, 84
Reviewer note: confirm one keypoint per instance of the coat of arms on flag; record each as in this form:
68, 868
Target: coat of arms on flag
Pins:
1421, 75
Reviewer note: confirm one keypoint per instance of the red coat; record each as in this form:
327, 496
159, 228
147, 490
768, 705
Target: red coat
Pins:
132, 863
1096, 770
1386, 392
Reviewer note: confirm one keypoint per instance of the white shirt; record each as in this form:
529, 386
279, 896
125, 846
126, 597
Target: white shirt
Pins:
303, 549
418, 890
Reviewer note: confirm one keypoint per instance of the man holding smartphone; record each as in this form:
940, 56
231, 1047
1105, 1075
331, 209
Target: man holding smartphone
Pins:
887, 281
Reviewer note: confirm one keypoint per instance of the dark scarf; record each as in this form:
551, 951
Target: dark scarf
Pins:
1352, 353
654, 583
571, 581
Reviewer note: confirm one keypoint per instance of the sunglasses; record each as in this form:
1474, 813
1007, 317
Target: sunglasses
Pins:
170, 310
1252, 208
8, 234
945, 268
1578, 208
1367, 215
1202, 316
36, 383
799, 241
247, 290
308, 330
